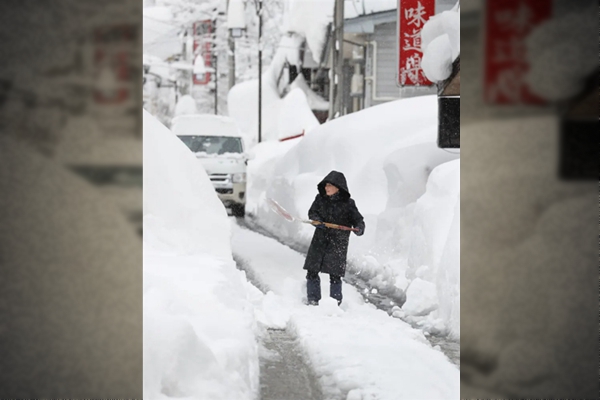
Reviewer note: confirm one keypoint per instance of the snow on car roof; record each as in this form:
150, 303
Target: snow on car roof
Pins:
205, 124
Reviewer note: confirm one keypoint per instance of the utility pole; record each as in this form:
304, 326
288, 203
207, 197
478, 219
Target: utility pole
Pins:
183, 75
337, 59
231, 61
216, 83
231, 54
216, 64
259, 11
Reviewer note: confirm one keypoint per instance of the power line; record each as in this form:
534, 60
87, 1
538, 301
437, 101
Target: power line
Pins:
161, 21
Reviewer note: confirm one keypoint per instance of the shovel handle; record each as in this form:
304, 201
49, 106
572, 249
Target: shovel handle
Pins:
334, 226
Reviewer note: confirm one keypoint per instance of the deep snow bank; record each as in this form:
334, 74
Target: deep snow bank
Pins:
198, 323
387, 154
282, 115
181, 209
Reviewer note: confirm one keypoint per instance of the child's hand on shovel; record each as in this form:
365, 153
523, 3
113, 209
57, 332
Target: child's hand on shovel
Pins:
318, 224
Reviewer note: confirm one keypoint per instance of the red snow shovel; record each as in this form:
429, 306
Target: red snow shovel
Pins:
282, 211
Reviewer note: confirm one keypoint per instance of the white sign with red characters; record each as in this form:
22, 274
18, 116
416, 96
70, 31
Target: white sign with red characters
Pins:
412, 15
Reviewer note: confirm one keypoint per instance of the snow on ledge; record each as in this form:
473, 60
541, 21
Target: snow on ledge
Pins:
440, 44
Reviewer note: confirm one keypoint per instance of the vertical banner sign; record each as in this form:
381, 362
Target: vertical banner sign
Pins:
203, 46
113, 46
507, 25
412, 15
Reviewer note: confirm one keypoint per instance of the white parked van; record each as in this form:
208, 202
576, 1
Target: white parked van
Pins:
217, 143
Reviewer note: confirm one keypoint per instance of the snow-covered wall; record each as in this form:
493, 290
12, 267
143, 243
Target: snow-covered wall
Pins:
199, 326
404, 185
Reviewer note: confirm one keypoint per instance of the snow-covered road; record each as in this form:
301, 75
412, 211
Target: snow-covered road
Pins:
356, 351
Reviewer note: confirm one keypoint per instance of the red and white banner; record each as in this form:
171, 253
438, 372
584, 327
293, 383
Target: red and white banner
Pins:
203, 31
112, 54
412, 15
507, 25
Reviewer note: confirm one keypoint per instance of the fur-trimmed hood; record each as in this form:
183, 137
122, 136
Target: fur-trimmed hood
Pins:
338, 180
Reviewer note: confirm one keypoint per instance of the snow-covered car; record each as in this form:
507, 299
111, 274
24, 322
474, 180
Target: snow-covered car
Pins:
219, 146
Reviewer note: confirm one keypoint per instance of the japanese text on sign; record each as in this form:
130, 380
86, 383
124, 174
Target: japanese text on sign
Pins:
412, 15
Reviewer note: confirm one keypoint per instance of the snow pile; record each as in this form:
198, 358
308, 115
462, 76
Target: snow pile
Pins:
199, 327
281, 117
403, 184
315, 102
295, 117
181, 208
434, 239
309, 19
186, 105
440, 43
562, 54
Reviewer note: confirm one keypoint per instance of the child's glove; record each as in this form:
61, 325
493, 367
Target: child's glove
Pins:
319, 224
361, 230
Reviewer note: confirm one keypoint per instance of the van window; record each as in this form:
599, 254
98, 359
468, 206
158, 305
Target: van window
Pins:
214, 145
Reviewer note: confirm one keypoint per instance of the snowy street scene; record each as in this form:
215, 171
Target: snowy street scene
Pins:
301, 213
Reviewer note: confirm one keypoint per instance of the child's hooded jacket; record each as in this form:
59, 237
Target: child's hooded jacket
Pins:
329, 247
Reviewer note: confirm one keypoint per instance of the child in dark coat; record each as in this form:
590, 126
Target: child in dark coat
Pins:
329, 247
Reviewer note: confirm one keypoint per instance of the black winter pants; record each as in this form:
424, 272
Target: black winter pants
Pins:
313, 287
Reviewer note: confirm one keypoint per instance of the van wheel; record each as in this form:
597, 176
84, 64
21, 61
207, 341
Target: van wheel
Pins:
238, 210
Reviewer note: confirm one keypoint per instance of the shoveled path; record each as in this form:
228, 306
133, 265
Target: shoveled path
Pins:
284, 372
380, 300
354, 350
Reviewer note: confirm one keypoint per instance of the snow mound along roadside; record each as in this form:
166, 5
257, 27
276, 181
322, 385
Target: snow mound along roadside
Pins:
181, 209
199, 329
199, 322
